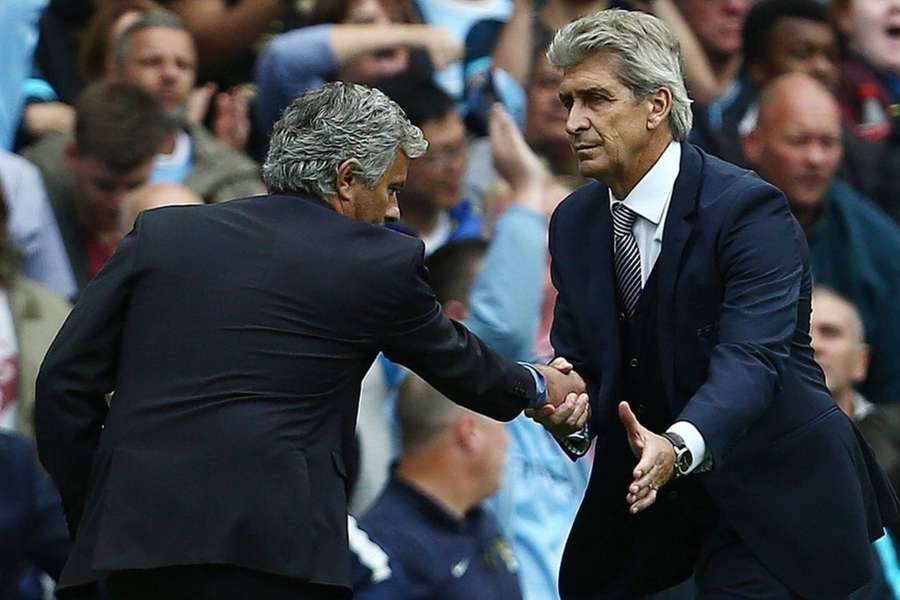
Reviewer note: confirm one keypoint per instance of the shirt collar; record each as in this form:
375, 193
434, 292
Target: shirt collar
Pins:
650, 196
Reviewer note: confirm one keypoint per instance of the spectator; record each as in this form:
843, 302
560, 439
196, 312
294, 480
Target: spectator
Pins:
229, 32
30, 316
354, 41
32, 526
18, 36
154, 195
717, 26
33, 227
431, 202
854, 247
545, 132
838, 338
108, 23
157, 53
870, 87
779, 36
118, 131
429, 518
375, 575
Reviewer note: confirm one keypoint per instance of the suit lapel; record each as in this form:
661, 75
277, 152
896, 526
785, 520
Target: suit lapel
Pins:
676, 233
601, 293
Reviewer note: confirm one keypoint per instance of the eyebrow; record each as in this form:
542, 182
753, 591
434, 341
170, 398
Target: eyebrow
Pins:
594, 89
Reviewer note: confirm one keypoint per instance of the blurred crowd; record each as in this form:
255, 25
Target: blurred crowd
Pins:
111, 107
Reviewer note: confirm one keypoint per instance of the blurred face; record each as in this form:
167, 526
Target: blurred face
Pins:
379, 204
163, 62
835, 339
797, 146
494, 444
377, 64
873, 27
607, 126
99, 191
717, 23
436, 178
800, 45
545, 119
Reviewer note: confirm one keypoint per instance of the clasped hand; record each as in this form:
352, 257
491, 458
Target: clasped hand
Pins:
567, 410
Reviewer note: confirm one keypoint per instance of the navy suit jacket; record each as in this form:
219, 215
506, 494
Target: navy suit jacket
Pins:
791, 474
235, 337
32, 526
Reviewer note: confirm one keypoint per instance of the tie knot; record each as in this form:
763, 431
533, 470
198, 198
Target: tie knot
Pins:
623, 219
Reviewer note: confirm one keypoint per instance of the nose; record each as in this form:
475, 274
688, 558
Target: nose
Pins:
824, 69
576, 121
392, 213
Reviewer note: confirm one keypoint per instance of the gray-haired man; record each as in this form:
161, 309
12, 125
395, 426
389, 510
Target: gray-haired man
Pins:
235, 337
684, 302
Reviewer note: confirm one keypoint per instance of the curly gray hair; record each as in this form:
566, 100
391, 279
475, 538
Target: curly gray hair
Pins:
649, 56
335, 123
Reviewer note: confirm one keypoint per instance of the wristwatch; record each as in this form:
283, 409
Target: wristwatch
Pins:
683, 457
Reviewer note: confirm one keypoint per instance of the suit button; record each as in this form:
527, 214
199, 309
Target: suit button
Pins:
633, 363
621, 316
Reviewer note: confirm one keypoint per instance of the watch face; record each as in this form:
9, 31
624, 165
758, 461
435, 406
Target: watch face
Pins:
684, 461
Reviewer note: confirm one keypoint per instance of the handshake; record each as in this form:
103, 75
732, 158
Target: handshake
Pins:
567, 410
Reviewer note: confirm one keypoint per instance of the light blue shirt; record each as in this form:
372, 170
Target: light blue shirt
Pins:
18, 38
33, 227
542, 488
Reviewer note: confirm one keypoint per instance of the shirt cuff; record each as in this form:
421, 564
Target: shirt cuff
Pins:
692, 439
540, 385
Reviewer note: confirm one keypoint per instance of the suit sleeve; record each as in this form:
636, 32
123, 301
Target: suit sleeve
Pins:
760, 252
446, 354
78, 372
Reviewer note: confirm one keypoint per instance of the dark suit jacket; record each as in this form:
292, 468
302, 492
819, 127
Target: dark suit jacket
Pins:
791, 474
235, 337
32, 527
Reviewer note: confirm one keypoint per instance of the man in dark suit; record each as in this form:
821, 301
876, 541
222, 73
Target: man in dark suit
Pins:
235, 338
684, 302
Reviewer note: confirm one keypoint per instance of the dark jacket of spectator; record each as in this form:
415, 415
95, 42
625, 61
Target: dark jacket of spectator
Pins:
32, 525
855, 249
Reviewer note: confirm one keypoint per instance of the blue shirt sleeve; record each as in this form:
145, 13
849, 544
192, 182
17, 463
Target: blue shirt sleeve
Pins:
292, 63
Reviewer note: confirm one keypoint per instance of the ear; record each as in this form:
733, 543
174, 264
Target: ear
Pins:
456, 310
346, 185
861, 366
465, 432
660, 107
752, 146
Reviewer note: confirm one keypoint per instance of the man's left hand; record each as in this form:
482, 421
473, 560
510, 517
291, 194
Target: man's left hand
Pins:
656, 461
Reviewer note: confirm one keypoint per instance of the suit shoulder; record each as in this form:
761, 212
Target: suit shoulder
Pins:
574, 206
727, 187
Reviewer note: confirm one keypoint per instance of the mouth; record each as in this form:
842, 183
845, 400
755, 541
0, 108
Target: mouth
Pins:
893, 32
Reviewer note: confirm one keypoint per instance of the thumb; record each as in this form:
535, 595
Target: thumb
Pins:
632, 426
562, 365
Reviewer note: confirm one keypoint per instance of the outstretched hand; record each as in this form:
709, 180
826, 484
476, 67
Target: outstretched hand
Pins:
656, 461
568, 408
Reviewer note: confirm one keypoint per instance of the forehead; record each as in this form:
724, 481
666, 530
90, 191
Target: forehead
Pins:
162, 38
828, 308
448, 129
597, 70
805, 109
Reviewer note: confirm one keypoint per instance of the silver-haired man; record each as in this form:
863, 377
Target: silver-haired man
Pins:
684, 302
235, 337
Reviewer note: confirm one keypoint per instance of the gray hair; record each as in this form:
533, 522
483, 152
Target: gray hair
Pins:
161, 18
338, 122
423, 413
647, 51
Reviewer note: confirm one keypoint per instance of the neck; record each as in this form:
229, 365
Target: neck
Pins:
422, 218
806, 216
845, 401
168, 145
622, 183
725, 68
437, 476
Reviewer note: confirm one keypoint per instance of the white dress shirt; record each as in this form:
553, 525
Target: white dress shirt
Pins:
650, 199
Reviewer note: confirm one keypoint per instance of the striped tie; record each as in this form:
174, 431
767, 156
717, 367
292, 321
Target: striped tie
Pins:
628, 258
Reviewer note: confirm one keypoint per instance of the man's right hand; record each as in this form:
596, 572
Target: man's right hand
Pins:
567, 409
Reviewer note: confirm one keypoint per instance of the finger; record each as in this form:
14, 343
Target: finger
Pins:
579, 415
562, 365
632, 426
644, 503
633, 497
562, 412
649, 477
646, 464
